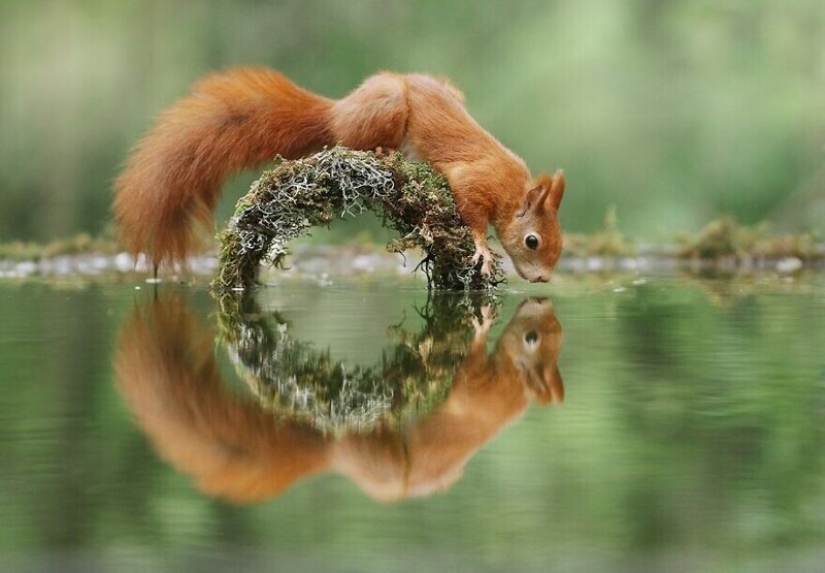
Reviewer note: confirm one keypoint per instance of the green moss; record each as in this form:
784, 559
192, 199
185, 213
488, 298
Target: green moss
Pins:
412, 199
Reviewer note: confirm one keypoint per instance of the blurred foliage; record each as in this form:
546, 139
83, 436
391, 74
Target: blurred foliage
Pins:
677, 112
606, 242
81, 243
726, 238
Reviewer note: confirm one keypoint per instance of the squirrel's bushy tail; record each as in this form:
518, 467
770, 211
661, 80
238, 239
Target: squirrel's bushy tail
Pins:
232, 120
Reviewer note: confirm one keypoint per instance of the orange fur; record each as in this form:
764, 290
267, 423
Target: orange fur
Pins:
233, 449
244, 117
166, 371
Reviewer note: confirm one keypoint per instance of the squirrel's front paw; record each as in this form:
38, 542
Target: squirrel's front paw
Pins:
486, 256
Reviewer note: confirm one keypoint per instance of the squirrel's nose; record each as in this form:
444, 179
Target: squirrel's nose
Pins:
540, 279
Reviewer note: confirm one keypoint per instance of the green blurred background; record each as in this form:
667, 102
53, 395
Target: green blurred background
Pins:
676, 112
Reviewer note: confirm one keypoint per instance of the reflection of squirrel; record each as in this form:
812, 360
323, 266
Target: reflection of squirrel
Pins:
234, 449
244, 117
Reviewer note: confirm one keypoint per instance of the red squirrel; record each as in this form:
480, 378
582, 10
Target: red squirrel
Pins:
244, 117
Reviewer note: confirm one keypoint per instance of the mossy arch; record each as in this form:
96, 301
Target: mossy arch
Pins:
412, 199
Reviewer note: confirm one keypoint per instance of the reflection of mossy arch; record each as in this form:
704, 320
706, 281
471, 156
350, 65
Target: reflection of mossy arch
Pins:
297, 195
296, 381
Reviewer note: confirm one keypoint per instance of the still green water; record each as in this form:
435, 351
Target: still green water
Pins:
602, 424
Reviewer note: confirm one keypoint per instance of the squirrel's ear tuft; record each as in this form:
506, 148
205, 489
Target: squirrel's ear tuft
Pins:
556, 188
544, 181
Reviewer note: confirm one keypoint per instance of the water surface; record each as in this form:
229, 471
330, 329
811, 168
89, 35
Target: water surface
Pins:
625, 423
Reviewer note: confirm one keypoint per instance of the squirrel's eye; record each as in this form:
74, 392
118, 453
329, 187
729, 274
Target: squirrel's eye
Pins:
531, 337
532, 242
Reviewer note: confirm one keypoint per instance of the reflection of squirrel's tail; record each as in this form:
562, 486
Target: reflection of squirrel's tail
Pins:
167, 373
231, 121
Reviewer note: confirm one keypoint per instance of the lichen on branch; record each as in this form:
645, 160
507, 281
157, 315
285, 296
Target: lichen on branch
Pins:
412, 199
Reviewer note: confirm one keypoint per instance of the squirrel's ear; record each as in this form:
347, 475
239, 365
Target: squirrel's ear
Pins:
546, 383
556, 189
537, 195
555, 387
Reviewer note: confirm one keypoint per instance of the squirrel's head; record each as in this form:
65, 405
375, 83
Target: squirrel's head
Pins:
533, 238
532, 341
